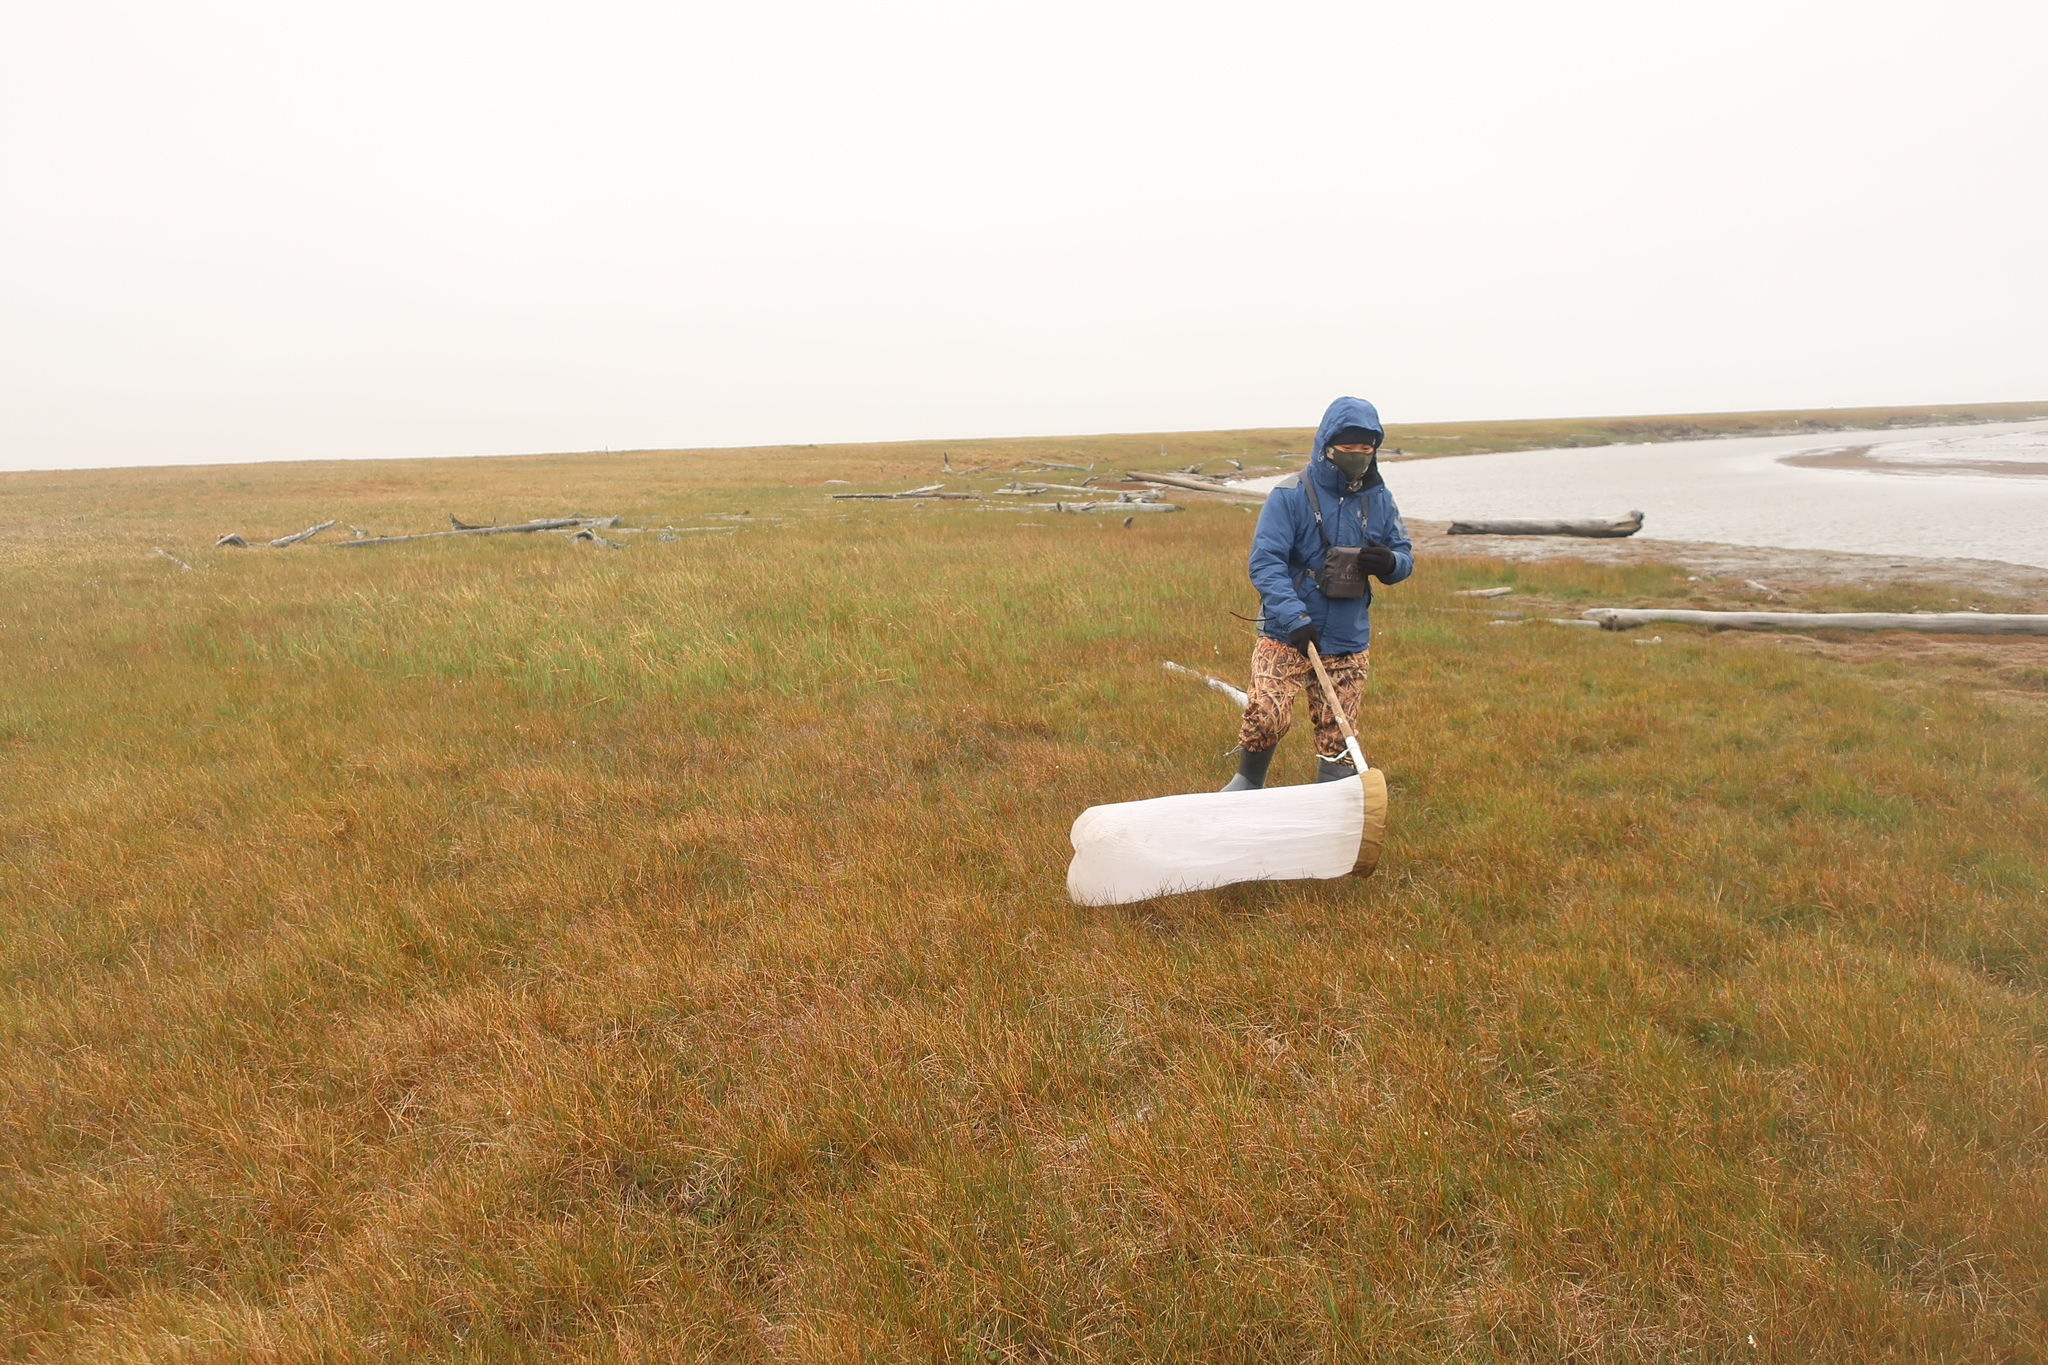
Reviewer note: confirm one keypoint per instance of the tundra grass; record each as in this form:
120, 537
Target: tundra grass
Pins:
508, 950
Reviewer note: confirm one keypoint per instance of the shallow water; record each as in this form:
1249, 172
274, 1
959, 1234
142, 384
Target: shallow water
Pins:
1978, 492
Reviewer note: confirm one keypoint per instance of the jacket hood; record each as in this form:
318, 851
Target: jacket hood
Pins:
1346, 412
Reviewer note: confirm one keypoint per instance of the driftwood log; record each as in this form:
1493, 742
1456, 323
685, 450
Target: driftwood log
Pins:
1236, 694
1193, 483
1928, 622
930, 490
1114, 507
234, 541
297, 536
905, 493
543, 524
1595, 527
1027, 489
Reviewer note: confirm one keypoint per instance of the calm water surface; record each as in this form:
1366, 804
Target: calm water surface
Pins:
1979, 492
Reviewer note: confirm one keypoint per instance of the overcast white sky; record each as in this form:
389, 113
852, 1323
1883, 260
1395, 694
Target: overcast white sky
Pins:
238, 231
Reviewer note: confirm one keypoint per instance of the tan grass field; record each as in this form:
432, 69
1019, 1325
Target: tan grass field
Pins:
514, 950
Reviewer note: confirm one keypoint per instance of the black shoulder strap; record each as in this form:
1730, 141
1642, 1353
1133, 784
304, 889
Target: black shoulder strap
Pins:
1315, 503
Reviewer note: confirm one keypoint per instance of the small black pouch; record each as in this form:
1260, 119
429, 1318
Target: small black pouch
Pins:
1341, 575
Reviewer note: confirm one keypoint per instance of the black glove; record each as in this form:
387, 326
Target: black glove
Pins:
1376, 560
1302, 636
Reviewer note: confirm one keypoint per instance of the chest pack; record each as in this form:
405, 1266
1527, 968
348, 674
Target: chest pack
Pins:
1341, 575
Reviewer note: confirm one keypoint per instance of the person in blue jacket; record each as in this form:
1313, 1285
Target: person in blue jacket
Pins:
1320, 535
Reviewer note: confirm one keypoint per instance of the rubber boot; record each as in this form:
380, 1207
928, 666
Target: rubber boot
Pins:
1334, 769
1251, 770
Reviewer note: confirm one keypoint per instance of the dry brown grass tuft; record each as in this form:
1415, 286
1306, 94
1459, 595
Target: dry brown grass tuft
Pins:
510, 950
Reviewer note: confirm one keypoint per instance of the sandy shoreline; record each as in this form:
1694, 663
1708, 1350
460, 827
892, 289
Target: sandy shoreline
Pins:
1780, 568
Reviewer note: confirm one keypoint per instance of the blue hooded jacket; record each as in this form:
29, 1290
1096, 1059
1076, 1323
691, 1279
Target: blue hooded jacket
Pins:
1286, 547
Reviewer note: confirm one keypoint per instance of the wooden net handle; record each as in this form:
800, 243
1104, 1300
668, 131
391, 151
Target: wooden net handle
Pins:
1330, 693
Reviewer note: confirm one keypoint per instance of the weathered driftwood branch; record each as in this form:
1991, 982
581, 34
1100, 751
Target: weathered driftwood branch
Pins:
545, 524
1192, 483
1029, 488
1929, 622
234, 540
393, 540
1114, 507
298, 536
1055, 464
926, 491
1595, 527
173, 558
914, 497
1236, 694
587, 534
1482, 592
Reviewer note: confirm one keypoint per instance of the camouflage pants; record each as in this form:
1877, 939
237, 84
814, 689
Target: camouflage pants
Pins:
1278, 672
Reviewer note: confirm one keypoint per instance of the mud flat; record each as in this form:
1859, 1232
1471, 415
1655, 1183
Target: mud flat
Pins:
1781, 568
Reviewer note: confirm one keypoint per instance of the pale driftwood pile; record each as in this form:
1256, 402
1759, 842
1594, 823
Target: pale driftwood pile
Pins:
1927, 622
1127, 502
459, 528
1123, 502
1126, 505
1015, 489
1599, 528
930, 490
1194, 483
578, 527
